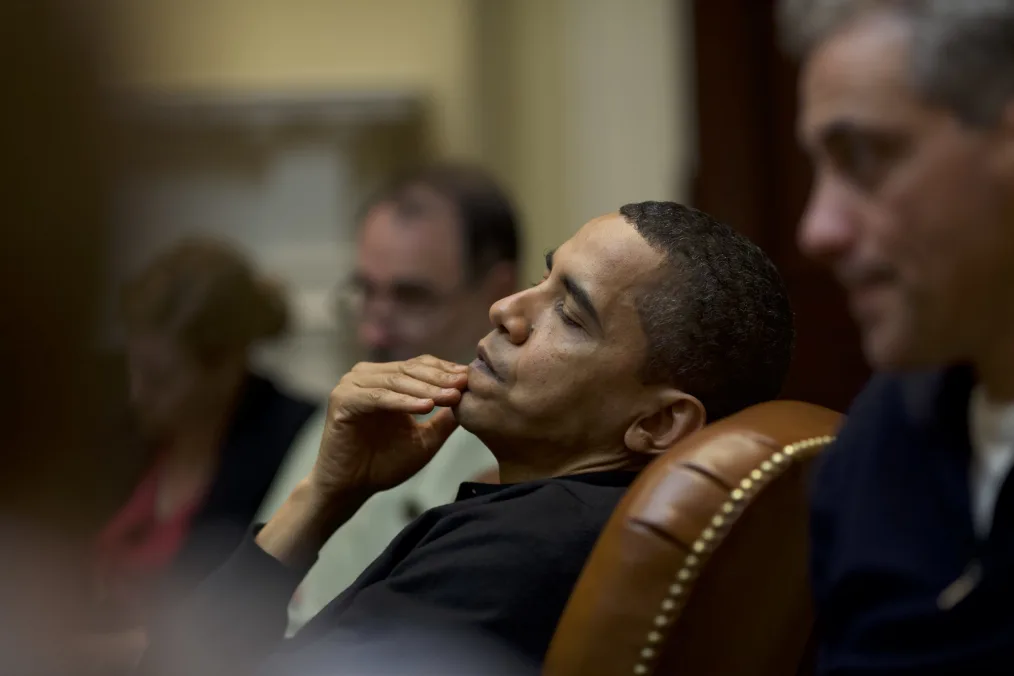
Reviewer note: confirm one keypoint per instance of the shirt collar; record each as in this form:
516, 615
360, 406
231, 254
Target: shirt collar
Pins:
615, 478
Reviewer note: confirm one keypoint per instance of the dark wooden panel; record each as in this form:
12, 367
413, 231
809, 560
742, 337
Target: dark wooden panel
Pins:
752, 175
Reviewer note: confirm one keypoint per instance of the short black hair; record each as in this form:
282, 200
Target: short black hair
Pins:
718, 323
489, 222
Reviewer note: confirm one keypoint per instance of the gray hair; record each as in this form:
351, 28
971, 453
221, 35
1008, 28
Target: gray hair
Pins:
962, 51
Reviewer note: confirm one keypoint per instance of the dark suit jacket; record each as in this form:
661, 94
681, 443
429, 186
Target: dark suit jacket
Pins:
891, 529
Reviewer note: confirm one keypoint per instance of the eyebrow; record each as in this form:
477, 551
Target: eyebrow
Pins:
577, 292
838, 131
845, 128
822, 135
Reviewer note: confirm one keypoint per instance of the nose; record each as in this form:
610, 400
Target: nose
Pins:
827, 229
373, 334
510, 315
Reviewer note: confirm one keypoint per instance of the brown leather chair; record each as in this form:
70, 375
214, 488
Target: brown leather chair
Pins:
702, 569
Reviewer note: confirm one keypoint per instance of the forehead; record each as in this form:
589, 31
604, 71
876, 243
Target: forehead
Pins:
610, 260
859, 76
424, 247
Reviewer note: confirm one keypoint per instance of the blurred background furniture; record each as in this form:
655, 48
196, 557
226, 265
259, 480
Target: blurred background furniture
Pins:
703, 567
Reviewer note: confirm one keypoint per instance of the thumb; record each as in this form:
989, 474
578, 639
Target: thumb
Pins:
434, 432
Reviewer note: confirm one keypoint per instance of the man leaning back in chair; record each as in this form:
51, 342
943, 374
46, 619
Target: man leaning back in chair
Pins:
647, 324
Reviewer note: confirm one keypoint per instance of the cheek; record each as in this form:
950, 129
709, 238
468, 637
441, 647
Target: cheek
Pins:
559, 378
948, 244
952, 225
428, 330
549, 369
930, 216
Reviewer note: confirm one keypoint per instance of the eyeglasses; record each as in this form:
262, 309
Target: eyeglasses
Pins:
403, 300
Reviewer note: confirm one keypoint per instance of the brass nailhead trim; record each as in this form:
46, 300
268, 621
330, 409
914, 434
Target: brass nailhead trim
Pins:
712, 535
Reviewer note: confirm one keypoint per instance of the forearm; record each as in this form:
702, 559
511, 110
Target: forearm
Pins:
305, 522
238, 615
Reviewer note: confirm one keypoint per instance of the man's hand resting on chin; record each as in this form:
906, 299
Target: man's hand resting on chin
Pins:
371, 443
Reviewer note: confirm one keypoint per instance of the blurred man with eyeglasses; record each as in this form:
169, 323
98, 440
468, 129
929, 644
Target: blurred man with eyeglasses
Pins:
436, 248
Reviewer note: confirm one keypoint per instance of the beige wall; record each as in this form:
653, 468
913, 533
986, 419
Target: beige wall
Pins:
522, 111
578, 105
586, 106
316, 45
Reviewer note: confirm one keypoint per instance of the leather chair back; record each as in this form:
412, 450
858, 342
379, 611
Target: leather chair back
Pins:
702, 568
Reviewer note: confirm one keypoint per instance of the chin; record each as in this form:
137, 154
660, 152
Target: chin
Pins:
889, 346
482, 417
468, 411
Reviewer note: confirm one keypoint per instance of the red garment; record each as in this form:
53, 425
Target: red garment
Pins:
136, 548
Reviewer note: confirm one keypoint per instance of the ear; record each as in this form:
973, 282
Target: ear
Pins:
677, 415
500, 281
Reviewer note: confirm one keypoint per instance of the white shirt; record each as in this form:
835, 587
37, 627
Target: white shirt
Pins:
991, 427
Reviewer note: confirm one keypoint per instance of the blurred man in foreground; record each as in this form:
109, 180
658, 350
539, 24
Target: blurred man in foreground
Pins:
436, 248
908, 113
52, 136
648, 323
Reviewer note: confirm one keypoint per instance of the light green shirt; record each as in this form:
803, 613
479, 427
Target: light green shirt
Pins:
365, 535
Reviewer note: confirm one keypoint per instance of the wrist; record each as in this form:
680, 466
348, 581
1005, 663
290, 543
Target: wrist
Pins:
328, 494
306, 520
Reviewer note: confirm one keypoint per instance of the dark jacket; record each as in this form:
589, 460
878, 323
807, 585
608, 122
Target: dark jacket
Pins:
892, 529
499, 562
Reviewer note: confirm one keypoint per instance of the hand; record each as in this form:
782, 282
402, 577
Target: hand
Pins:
372, 442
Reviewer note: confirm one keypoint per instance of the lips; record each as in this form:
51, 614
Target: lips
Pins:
486, 363
855, 276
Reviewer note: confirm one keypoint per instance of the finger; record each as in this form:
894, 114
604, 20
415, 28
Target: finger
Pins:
435, 375
432, 363
435, 431
430, 360
370, 400
399, 382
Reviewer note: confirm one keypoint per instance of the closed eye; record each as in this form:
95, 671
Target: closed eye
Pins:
564, 317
